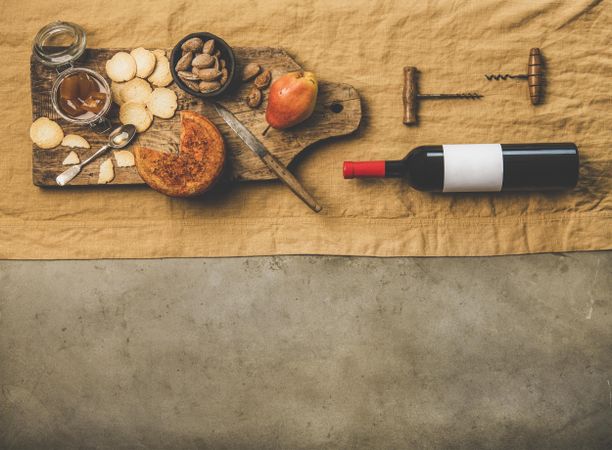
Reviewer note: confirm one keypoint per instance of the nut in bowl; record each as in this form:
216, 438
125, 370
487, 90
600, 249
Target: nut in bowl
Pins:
203, 65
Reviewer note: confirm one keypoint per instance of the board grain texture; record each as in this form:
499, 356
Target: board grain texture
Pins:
338, 112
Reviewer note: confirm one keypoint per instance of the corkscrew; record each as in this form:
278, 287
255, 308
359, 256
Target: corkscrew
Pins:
534, 76
411, 95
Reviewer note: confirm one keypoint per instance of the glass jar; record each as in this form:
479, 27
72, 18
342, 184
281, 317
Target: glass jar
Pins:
58, 45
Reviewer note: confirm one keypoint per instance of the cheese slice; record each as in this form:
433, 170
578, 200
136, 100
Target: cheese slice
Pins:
107, 172
124, 158
71, 159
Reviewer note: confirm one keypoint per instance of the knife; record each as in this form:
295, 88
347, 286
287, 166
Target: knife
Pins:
270, 160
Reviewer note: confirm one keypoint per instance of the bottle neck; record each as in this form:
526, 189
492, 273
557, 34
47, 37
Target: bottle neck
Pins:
395, 169
373, 169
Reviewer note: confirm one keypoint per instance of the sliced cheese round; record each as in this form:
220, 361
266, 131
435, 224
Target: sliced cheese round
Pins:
145, 61
121, 67
75, 141
162, 103
161, 75
107, 172
46, 133
136, 90
137, 114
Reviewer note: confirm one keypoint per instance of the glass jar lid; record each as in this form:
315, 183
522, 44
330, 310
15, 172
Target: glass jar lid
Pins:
59, 43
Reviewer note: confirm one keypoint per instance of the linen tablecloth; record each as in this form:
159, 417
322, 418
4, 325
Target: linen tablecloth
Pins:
366, 44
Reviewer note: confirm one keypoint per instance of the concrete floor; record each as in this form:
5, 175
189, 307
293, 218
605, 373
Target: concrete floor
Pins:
317, 352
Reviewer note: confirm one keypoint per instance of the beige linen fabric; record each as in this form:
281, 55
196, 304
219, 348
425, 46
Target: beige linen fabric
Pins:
364, 43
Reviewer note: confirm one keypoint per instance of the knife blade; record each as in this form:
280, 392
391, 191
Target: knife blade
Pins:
269, 160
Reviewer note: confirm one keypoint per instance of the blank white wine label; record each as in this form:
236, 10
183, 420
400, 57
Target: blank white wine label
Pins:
473, 168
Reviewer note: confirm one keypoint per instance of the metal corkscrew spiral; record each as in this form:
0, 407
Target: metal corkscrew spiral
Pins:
499, 76
534, 76
411, 95
468, 95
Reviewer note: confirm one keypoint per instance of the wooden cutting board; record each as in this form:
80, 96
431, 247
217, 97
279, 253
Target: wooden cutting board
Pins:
338, 112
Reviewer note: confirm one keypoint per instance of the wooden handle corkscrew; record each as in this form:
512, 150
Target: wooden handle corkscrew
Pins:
410, 94
535, 76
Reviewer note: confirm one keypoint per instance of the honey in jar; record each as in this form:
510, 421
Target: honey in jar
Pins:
81, 96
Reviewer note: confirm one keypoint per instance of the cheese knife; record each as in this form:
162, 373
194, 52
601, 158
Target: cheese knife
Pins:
269, 160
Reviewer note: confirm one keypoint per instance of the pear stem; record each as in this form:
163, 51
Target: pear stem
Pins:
266, 130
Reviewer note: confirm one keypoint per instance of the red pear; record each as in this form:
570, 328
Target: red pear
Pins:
291, 99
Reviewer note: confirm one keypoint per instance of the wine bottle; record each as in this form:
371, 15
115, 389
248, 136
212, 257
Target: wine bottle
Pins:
478, 167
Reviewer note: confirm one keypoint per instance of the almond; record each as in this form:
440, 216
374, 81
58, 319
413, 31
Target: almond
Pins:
193, 85
192, 45
184, 75
224, 76
209, 47
209, 86
250, 71
184, 62
209, 74
202, 61
263, 79
254, 98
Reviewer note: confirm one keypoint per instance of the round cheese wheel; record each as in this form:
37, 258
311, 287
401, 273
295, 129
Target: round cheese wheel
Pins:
194, 169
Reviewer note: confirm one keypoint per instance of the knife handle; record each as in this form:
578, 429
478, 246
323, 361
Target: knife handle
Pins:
287, 177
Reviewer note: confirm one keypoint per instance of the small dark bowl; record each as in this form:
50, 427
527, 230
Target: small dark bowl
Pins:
226, 53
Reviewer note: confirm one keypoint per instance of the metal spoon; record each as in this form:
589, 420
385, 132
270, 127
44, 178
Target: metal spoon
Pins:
119, 138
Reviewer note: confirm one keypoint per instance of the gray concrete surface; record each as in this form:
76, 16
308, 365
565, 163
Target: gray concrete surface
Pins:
307, 352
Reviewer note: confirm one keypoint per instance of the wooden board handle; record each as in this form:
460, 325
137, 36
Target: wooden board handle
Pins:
535, 76
410, 95
287, 177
